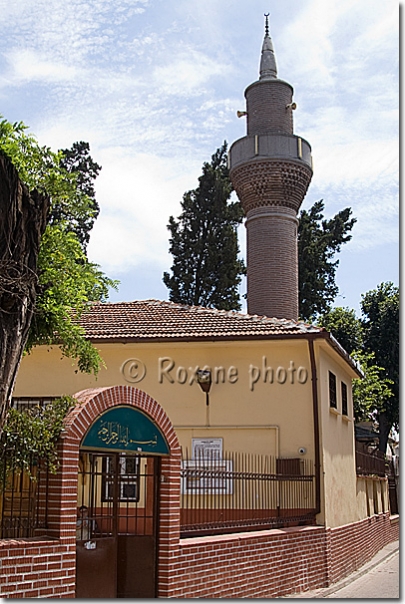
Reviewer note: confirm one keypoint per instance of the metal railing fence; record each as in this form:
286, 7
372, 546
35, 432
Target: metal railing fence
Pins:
242, 491
369, 464
23, 497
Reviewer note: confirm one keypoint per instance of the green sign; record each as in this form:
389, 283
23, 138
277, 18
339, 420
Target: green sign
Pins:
125, 429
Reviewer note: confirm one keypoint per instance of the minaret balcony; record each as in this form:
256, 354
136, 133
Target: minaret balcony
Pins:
270, 146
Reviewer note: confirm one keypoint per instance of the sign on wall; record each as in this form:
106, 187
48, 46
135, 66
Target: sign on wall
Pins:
207, 448
125, 428
207, 472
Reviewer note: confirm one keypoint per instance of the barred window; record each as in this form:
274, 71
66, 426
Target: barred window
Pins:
129, 471
27, 402
344, 399
332, 390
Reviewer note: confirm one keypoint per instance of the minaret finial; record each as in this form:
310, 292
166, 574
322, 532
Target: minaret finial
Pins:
268, 68
266, 27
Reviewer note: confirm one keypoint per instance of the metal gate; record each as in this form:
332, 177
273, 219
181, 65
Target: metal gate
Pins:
116, 530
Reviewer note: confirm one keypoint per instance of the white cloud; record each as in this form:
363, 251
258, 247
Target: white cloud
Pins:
187, 73
137, 194
355, 162
27, 65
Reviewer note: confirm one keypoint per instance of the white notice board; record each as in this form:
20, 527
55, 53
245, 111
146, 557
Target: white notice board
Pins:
207, 448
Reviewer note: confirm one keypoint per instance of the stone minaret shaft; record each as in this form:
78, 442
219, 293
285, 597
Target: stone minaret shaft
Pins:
271, 169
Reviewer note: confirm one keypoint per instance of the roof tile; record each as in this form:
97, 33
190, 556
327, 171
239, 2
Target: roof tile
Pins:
161, 320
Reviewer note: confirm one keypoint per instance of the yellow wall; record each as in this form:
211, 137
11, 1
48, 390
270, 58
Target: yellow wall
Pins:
242, 400
337, 442
372, 496
260, 400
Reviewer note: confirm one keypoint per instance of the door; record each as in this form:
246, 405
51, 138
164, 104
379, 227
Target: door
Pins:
117, 525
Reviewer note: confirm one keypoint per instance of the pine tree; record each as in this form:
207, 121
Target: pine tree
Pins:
318, 242
206, 270
78, 161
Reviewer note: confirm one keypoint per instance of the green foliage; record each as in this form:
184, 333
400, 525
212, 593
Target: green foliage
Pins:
63, 300
374, 341
33, 434
318, 242
68, 282
344, 326
206, 270
380, 309
372, 394
41, 168
79, 162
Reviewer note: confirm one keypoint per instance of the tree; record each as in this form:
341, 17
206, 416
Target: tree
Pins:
318, 242
79, 162
206, 270
32, 435
345, 327
372, 392
373, 341
22, 223
380, 309
33, 294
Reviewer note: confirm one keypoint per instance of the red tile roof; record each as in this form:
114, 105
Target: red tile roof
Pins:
157, 320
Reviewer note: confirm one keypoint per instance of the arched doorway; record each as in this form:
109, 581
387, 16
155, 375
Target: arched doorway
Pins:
124, 439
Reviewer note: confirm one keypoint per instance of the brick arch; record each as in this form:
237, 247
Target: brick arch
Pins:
94, 401
63, 485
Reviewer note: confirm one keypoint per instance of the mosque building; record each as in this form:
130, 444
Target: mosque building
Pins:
160, 456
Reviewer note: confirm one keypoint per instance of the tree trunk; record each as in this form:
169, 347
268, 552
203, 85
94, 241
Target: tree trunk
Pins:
384, 430
23, 217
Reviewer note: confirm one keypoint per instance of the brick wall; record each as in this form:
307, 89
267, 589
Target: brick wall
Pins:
252, 564
262, 564
353, 545
266, 103
37, 568
47, 568
278, 562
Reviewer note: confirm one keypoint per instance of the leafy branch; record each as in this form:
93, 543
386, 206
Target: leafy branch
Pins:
32, 434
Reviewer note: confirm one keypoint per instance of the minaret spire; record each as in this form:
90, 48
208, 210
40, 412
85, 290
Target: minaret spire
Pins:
270, 169
268, 67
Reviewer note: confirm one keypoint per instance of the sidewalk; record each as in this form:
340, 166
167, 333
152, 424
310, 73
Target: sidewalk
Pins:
323, 592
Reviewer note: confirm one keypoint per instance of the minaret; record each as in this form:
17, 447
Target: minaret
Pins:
271, 169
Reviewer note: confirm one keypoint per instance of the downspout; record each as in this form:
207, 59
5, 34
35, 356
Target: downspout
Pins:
314, 380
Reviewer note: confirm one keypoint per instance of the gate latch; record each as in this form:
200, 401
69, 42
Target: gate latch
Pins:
90, 545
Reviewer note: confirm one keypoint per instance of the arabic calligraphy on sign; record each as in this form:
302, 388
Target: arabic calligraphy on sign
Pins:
114, 433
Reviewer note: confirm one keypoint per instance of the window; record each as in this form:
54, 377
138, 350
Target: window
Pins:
129, 469
344, 399
332, 390
27, 402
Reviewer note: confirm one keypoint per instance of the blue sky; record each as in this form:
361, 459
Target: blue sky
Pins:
154, 86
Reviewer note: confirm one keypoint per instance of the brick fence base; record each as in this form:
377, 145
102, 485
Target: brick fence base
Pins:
37, 568
268, 564
353, 545
260, 564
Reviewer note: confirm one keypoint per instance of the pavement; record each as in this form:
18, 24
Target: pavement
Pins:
382, 580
